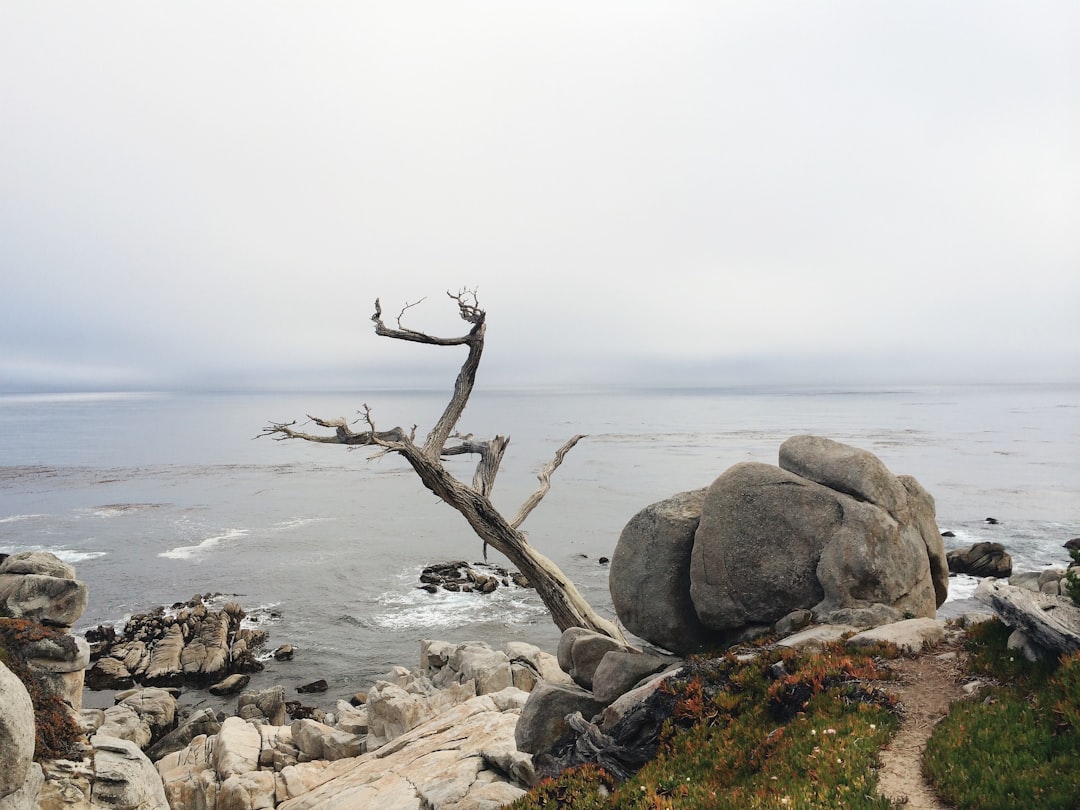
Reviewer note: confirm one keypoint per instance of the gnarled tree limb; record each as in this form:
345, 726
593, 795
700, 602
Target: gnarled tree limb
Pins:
562, 599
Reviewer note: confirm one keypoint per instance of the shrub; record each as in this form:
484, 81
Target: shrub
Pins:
57, 733
779, 731
1072, 581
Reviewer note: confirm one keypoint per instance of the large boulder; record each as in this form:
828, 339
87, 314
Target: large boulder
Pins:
16, 732
124, 778
38, 586
649, 578
831, 530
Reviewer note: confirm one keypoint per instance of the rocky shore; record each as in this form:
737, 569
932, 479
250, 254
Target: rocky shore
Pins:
473, 726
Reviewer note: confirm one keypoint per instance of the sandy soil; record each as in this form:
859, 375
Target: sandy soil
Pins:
928, 684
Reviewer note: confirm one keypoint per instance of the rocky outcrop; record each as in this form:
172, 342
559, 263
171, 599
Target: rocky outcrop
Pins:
830, 530
440, 737
981, 560
190, 645
469, 577
38, 586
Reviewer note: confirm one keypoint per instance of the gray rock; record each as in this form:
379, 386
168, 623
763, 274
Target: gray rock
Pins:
649, 578
814, 639
981, 560
843, 468
16, 732
49, 600
204, 721
770, 542
1028, 580
619, 672
758, 545
230, 685
585, 650
910, 635
542, 724
36, 562
27, 796
794, 621
269, 703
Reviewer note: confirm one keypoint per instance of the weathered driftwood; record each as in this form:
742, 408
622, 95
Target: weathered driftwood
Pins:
1050, 622
562, 599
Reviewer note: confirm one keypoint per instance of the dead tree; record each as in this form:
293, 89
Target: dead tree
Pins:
562, 599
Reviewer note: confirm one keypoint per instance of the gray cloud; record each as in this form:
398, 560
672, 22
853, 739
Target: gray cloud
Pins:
208, 195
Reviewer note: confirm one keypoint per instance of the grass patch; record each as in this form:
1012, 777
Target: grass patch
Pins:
780, 731
1018, 746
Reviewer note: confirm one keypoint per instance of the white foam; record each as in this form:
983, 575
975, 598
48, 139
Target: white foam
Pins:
189, 552
295, 523
68, 555
417, 609
18, 518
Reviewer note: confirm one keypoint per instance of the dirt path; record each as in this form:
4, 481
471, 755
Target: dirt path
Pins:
927, 686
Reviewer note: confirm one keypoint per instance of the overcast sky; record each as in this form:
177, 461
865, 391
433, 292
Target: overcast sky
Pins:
213, 194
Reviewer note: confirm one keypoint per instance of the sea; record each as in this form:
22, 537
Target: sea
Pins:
155, 497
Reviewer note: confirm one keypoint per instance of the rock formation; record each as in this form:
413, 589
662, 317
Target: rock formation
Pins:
981, 560
192, 644
830, 530
440, 737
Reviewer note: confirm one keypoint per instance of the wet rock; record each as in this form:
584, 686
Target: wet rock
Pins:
315, 686
981, 560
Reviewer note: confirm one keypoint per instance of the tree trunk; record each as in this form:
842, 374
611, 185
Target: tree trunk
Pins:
563, 600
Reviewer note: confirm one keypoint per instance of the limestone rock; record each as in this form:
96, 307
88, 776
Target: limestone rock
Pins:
155, 706
649, 577
16, 732
394, 710
318, 741
910, 635
123, 723
236, 750
124, 778
439, 764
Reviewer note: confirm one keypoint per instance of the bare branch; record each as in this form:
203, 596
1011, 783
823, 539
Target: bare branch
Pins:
403, 333
544, 476
566, 605
280, 431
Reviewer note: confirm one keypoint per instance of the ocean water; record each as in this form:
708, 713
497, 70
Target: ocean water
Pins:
156, 497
